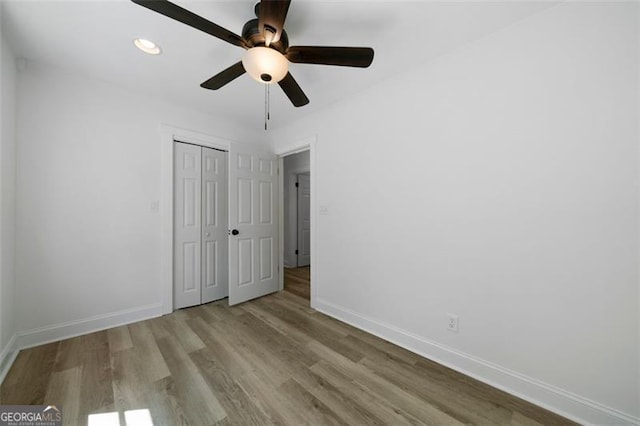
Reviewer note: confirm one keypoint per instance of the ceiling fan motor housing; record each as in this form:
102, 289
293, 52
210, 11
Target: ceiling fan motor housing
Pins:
252, 35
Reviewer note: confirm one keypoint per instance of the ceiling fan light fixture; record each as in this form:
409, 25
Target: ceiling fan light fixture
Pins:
147, 46
265, 65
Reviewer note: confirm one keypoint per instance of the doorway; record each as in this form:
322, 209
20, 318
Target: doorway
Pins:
297, 223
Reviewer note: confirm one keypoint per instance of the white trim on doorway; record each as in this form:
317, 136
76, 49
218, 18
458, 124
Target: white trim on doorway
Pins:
170, 134
309, 144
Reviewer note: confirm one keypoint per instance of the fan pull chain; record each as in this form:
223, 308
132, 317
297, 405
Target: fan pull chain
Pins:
267, 104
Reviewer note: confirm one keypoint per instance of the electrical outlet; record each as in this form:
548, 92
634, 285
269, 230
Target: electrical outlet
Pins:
452, 323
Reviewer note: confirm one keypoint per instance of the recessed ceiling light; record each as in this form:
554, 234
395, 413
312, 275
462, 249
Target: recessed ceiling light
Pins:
147, 46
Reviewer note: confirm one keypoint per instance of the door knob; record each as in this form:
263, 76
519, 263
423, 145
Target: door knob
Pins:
207, 234
235, 232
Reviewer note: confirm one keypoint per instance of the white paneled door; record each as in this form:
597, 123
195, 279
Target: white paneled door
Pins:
200, 225
215, 240
304, 220
187, 242
253, 268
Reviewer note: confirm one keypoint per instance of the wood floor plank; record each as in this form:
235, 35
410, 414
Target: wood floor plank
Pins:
119, 339
129, 381
396, 395
157, 328
268, 399
282, 347
284, 327
320, 332
341, 403
178, 328
465, 384
71, 351
145, 344
236, 364
461, 406
27, 381
96, 382
297, 281
273, 360
264, 363
307, 406
334, 325
372, 403
301, 303
192, 392
369, 343
207, 312
64, 391
164, 404
518, 419
69, 354
237, 404
229, 355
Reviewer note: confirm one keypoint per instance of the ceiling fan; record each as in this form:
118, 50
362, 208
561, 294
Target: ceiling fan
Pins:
267, 47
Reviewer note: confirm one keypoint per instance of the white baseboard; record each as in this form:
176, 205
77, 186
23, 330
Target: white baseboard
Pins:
65, 330
559, 401
7, 357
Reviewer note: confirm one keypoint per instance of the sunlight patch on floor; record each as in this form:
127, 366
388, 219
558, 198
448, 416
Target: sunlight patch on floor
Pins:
132, 418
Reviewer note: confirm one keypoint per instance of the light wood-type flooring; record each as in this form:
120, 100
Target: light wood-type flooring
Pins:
297, 281
268, 361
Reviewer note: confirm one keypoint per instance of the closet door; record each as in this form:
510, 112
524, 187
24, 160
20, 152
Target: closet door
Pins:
215, 238
187, 240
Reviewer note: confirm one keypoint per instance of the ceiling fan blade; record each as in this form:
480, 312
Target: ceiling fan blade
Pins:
293, 91
273, 13
224, 77
176, 12
342, 56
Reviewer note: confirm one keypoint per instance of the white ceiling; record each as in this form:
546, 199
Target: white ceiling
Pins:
95, 38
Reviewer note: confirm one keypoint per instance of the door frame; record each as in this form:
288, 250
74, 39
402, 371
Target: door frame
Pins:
169, 135
294, 148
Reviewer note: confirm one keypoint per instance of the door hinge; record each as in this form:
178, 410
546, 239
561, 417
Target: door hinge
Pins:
297, 184
296, 251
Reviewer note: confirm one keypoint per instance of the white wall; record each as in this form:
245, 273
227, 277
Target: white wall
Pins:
7, 198
498, 183
293, 165
88, 170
